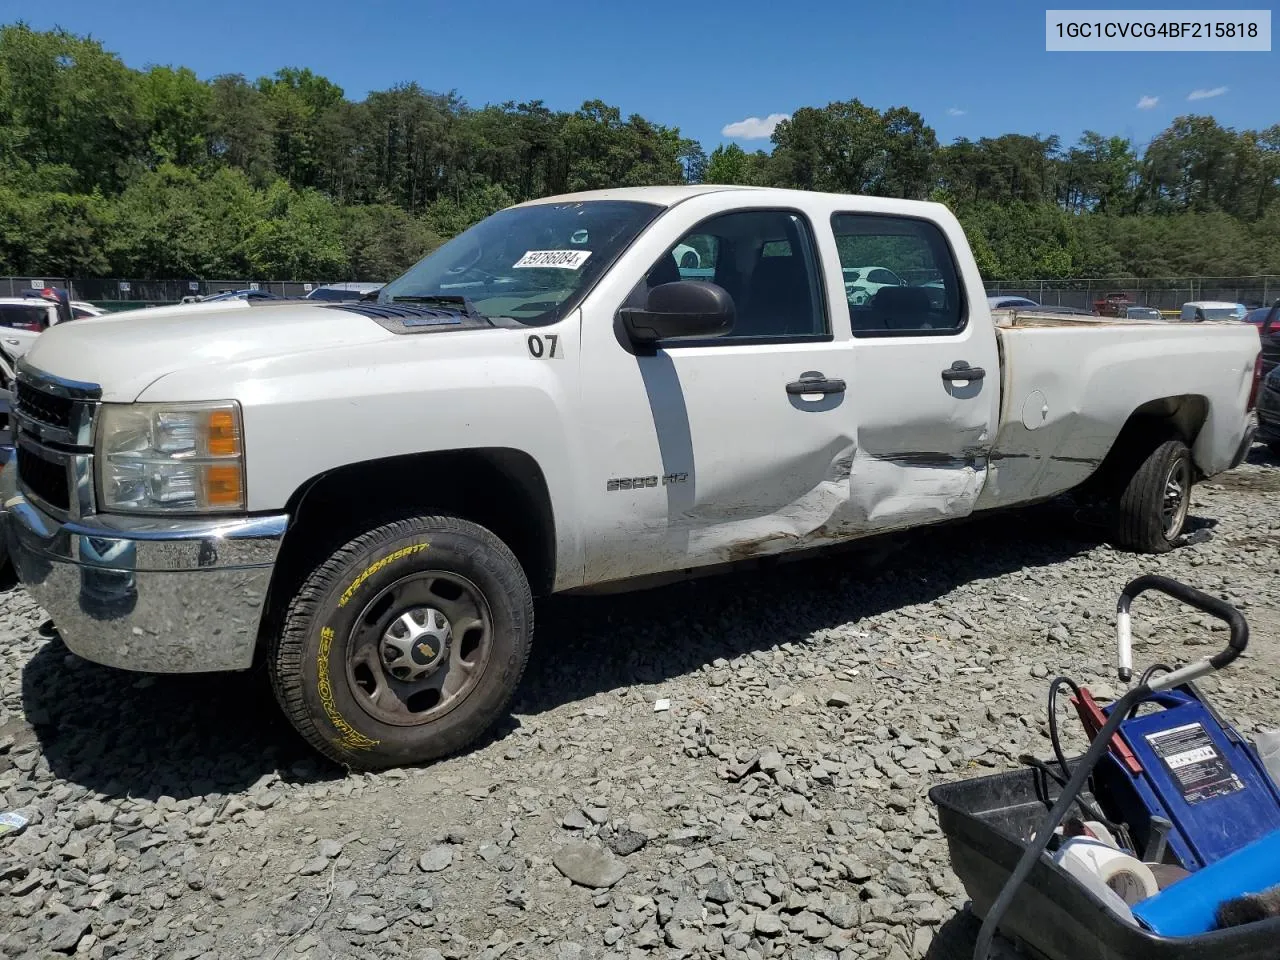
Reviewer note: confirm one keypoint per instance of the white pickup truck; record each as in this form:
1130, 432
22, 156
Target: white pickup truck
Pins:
366, 496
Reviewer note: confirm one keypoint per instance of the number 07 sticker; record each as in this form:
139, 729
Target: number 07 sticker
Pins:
545, 346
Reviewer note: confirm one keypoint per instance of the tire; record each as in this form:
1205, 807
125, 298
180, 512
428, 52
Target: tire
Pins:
405, 645
1148, 520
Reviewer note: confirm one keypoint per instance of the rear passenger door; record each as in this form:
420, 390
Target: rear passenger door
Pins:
926, 394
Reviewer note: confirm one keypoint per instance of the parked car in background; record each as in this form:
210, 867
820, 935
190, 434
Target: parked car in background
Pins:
80, 310
1112, 305
1269, 411
1059, 309
341, 292
1197, 311
23, 319
1267, 320
241, 295
863, 283
1009, 303
1142, 313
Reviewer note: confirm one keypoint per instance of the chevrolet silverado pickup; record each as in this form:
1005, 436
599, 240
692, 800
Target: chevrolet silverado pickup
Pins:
366, 496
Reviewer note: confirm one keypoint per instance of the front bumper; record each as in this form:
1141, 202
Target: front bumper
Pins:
153, 594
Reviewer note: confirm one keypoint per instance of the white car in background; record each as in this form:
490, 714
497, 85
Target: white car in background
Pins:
22, 319
1010, 303
863, 283
1196, 311
339, 292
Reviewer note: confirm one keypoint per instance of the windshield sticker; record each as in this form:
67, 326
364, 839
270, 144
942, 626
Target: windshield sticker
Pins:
560, 259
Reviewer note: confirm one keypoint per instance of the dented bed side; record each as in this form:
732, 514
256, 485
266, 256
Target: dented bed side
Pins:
1069, 386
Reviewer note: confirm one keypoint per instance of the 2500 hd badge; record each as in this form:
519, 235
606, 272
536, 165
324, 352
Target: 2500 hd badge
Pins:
636, 483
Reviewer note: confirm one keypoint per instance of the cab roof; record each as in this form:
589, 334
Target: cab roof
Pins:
669, 196
662, 196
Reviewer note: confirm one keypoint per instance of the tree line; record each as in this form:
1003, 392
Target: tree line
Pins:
107, 170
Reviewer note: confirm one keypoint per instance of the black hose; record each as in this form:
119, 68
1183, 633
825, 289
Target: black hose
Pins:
1053, 720
1089, 810
1152, 670
1045, 831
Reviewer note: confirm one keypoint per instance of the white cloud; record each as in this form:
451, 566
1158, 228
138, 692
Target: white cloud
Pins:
1146, 103
753, 128
956, 112
1203, 94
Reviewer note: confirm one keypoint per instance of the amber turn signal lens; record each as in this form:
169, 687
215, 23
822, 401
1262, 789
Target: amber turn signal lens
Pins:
222, 486
224, 438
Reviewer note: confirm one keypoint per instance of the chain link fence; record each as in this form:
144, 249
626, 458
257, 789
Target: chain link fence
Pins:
1163, 293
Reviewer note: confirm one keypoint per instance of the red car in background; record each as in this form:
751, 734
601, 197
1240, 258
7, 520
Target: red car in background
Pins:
1113, 305
1267, 320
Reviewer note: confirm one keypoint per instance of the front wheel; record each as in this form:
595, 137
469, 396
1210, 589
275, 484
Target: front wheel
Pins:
1152, 510
406, 644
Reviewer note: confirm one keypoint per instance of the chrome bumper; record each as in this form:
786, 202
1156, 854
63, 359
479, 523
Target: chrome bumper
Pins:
152, 594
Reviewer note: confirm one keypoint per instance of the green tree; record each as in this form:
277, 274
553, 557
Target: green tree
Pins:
65, 100
176, 109
239, 128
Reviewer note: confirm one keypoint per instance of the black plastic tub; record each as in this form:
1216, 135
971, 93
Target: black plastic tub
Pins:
987, 822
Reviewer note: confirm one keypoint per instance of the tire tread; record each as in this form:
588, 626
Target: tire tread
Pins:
285, 663
1138, 525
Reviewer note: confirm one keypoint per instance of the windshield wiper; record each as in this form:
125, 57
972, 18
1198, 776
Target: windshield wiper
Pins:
458, 304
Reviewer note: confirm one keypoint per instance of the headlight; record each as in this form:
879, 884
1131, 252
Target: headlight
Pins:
170, 457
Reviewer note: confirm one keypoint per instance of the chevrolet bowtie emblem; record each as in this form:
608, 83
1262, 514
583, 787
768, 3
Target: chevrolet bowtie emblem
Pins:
426, 651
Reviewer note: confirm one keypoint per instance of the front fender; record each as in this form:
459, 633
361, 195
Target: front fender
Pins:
310, 413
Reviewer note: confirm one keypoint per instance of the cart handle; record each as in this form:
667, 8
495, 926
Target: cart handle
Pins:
1192, 597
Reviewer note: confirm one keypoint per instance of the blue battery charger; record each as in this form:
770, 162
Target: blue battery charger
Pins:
1198, 773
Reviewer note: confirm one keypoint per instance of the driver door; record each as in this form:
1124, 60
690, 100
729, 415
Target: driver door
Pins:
713, 450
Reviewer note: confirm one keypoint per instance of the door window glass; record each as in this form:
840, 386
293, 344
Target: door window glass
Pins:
764, 259
906, 279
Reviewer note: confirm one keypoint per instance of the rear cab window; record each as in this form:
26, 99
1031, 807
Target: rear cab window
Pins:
900, 276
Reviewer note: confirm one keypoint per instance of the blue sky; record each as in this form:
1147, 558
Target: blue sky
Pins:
972, 69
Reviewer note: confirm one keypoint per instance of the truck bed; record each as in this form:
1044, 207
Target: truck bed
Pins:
1070, 382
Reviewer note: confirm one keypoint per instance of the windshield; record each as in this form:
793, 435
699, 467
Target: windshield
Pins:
531, 264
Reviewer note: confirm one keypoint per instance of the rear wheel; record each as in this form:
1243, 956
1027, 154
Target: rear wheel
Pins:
1152, 508
406, 644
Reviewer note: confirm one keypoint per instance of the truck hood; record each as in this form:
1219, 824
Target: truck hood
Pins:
127, 352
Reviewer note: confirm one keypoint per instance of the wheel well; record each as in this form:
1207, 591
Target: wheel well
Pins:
1166, 418
498, 488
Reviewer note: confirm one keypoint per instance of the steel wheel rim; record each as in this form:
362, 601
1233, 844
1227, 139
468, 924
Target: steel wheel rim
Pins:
1176, 497
419, 648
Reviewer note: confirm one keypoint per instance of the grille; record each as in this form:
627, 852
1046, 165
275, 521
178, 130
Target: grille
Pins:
44, 407
46, 480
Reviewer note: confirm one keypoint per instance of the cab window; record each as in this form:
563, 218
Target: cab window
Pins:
913, 290
766, 262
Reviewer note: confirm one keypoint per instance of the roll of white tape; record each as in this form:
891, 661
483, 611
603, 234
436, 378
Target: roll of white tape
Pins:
1129, 878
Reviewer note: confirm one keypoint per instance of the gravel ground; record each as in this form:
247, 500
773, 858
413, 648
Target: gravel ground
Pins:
776, 809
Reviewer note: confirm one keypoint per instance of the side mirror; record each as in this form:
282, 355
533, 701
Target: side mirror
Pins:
685, 308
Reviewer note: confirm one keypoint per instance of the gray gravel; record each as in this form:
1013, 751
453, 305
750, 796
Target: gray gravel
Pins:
777, 809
